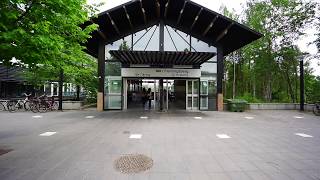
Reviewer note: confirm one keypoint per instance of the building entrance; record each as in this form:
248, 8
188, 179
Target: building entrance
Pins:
144, 94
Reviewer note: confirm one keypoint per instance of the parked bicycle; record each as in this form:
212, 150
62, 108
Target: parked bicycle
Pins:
14, 105
316, 109
43, 104
3, 105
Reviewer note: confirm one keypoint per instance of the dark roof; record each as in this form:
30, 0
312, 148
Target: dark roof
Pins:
162, 58
11, 74
184, 15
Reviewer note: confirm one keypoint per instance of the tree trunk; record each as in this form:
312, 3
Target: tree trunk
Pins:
289, 84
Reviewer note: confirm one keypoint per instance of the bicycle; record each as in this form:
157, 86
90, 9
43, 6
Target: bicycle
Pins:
316, 109
39, 104
14, 105
52, 104
3, 107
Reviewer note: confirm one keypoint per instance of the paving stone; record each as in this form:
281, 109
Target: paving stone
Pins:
181, 147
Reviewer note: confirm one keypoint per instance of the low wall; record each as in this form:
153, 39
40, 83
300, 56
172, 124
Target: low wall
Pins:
72, 105
276, 106
279, 106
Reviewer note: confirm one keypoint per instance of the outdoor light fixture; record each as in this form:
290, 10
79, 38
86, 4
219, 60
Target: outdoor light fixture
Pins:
223, 136
135, 136
37, 116
249, 117
90, 117
298, 117
301, 58
47, 134
303, 135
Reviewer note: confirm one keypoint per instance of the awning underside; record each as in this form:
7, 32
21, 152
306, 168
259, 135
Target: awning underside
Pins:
183, 15
162, 58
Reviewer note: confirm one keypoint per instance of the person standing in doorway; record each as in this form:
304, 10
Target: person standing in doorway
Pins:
144, 97
149, 95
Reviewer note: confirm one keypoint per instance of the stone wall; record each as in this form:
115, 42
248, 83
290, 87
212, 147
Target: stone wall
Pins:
72, 105
276, 106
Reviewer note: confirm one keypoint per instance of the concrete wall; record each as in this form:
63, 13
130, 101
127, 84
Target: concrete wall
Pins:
276, 106
72, 105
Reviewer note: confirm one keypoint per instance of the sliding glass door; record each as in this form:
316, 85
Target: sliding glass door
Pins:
192, 94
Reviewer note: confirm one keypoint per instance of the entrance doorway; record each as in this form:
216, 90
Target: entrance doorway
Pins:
144, 94
192, 98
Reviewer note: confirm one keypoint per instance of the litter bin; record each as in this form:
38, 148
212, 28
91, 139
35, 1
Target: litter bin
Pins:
237, 105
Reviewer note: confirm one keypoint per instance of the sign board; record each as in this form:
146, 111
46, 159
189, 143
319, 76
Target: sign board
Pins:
160, 72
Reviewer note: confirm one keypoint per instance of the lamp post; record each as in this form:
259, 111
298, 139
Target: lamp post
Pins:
301, 58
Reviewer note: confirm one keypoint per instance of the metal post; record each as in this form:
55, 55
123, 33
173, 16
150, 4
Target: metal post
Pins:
301, 86
190, 41
161, 49
161, 36
132, 42
220, 70
220, 73
61, 76
78, 93
101, 75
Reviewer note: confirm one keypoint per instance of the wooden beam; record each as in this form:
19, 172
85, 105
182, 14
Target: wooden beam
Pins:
181, 12
196, 18
128, 16
166, 9
143, 12
210, 26
102, 35
223, 33
113, 24
158, 8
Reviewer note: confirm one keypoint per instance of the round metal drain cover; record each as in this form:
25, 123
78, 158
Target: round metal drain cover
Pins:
133, 163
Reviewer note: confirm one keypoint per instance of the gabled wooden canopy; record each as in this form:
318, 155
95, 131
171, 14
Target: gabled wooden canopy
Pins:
183, 15
164, 58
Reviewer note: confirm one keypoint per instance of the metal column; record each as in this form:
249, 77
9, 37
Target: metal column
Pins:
61, 76
101, 75
301, 86
161, 49
220, 73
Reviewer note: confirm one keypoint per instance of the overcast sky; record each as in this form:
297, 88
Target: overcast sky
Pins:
237, 5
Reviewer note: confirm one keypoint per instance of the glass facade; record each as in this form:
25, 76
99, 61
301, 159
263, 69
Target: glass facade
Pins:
195, 94
113, 86
208, 86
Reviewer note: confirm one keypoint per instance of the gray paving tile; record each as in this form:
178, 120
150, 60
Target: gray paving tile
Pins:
257, 175
277, 175
197, 176
239, 176
263, 148
219, 176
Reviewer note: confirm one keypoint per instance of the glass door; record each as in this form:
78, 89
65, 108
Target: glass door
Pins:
192, 95
204, 94
112, 98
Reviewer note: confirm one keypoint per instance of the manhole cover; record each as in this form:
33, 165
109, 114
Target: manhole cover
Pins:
133, 163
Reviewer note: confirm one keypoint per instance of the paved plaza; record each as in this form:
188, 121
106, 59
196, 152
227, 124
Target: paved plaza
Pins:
257, 145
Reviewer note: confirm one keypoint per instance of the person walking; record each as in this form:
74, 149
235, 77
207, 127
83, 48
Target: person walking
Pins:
149, 95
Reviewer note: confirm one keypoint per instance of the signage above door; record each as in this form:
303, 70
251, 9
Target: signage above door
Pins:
160, 72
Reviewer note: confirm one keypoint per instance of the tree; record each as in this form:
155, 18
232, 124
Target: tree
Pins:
46, 36
260, 74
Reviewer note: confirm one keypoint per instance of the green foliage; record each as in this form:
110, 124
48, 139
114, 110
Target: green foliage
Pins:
268, 69
46, 36
249, 98
312, 88
113, 68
